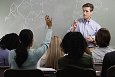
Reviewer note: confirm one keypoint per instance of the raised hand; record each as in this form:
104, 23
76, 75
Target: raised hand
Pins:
73, 26
48, 21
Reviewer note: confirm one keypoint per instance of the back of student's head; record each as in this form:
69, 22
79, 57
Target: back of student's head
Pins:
55, 46
54, 52
26, 39
74, 44
9, 41
103, 37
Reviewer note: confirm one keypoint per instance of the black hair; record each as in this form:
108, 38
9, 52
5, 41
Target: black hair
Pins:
74, 44
26, 38
9, 41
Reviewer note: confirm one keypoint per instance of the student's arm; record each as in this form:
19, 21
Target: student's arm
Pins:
41, 50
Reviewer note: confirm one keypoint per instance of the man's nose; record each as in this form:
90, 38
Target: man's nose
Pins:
84, 13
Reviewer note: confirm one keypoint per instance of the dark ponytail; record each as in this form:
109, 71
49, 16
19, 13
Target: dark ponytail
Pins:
26, 38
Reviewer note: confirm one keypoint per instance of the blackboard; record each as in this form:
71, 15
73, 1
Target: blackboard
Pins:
16, 15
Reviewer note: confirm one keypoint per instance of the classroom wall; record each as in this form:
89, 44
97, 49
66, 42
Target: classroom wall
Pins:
16, 15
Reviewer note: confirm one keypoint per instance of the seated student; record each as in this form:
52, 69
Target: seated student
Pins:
23, 57
108, 61
74, 45
8, 42
102, 38
50, 58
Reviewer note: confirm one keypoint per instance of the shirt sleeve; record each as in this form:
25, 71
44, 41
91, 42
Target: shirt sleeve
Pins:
41, 50
98, 27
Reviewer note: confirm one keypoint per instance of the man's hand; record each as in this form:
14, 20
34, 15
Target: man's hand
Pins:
73, 26
89, 39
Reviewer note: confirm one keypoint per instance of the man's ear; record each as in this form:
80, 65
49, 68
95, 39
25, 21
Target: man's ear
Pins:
91, 12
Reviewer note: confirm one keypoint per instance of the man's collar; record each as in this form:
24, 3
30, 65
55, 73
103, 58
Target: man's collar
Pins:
84, 20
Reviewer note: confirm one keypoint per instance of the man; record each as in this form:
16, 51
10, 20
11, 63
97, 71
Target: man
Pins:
86, 25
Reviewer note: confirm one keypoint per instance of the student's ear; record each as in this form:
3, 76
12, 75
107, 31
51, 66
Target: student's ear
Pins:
32, 43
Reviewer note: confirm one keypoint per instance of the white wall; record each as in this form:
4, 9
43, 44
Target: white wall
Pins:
18, 14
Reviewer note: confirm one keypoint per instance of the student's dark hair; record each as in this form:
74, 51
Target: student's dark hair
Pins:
9, 41
88, 5
26, 38
74, 44
103, 37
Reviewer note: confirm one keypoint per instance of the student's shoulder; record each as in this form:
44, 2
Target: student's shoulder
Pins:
111, 53
85, 55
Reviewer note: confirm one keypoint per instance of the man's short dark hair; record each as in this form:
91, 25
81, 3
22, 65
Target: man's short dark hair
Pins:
88, 5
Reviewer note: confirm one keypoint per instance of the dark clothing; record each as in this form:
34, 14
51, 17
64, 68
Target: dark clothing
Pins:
86, 61
108, 61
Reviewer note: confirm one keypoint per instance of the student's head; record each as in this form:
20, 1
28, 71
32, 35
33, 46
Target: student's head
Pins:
55, 45
26, 39
87, 10
103, 37
74, 44
54, 52
9, 41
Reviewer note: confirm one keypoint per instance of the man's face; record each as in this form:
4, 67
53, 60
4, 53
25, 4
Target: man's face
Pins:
86, 12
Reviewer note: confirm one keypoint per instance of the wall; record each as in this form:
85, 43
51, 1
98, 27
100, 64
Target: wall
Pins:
16, 15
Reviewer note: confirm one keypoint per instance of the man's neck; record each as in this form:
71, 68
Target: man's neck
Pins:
88, 19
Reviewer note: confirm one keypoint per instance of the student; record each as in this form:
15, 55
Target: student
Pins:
86, 25
50, 58
23, 57
8, 42
74, 45
102, 38
108, 61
